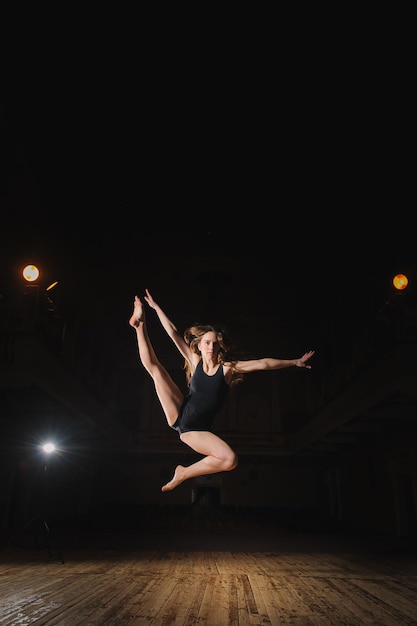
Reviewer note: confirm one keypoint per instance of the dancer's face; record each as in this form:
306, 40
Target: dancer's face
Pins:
209, 345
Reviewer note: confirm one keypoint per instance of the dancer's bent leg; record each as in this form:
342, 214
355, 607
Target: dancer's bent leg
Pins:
219, 458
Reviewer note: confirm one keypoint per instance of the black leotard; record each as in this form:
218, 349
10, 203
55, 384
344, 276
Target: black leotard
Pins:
204, 400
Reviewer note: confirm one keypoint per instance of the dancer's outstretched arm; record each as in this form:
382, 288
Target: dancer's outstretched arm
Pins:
170, 328
257, 365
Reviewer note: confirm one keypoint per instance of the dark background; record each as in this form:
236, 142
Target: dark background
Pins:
273, 197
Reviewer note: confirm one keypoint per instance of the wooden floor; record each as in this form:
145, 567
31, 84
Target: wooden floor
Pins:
210, 573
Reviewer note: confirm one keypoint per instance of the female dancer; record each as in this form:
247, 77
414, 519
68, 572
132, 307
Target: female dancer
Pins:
210, 373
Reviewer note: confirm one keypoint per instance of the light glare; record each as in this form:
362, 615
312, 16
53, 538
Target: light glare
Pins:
31, 273
400, 281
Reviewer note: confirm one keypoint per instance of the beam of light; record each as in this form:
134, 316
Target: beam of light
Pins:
48, 447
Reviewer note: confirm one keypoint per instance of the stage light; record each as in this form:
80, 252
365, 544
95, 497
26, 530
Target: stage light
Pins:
30, 273
400, 281
48, 448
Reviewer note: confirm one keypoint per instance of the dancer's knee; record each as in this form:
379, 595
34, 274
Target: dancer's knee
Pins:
230, 462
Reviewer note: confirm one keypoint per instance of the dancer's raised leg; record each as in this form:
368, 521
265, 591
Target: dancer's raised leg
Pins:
146, 352
169, 394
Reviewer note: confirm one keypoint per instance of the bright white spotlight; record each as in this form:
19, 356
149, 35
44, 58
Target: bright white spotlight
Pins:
48, 448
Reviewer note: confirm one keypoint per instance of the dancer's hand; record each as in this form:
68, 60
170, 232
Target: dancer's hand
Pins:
148, 298
302, 362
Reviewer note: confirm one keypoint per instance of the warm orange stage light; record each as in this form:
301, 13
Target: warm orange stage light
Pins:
30, 273
400, 281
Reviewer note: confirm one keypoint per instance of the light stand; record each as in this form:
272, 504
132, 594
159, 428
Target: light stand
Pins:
43, 531
37, 524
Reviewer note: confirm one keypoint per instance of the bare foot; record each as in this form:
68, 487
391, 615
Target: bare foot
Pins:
138, 314
176, 480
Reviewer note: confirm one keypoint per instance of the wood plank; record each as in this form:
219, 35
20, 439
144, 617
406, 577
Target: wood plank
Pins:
387, 598
214, 588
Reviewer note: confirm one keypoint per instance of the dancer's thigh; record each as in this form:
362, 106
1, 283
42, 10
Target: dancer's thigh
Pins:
169, 394
207, 443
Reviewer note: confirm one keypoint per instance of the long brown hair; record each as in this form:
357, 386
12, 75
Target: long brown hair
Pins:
192, 337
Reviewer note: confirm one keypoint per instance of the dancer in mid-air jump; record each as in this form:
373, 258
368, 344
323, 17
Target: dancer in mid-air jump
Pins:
210, 373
